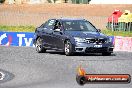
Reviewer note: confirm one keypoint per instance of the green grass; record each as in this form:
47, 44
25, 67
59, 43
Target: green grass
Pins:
32, 29
17, 28
117, 33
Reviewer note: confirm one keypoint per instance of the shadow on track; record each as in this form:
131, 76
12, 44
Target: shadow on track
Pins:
78, 54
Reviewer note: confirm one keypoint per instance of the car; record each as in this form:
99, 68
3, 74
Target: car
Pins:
71, 35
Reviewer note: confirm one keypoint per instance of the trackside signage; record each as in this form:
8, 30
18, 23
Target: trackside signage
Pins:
26, 39
123, 43
16, 38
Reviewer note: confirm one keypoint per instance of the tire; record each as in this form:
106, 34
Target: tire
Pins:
68, 48
106, 54
39, 46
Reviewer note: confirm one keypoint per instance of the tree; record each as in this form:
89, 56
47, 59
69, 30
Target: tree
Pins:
2, 1
89, 1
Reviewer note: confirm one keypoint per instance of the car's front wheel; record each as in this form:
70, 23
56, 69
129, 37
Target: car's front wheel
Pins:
106, 53
39, 46
68, 48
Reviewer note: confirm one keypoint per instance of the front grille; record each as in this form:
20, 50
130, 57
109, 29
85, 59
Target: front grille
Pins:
96, 50
96, 40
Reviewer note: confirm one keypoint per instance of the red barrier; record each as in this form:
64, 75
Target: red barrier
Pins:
123, 44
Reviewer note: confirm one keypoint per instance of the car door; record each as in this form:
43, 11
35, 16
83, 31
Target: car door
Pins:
47, 33
58, 36
42, 33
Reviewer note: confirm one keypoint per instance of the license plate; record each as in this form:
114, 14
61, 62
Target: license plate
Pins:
98, 46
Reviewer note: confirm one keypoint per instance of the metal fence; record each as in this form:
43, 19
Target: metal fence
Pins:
120, 26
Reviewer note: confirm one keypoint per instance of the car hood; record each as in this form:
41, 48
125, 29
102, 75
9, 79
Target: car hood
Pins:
85, 34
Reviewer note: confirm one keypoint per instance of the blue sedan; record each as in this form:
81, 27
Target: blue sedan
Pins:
70, 36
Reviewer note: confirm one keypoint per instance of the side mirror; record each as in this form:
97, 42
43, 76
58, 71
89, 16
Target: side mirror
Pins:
99, 30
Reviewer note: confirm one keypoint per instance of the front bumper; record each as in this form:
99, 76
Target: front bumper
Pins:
89, 48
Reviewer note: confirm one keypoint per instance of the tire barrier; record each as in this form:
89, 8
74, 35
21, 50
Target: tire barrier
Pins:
26, 39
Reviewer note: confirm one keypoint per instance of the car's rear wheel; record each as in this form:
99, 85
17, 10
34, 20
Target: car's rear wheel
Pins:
106, 53
68, 48
39, 46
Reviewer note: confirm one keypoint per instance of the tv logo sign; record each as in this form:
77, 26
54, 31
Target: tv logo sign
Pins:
16, 38
27, 41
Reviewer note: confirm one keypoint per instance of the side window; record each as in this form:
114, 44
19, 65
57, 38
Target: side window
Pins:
57, 25
44, 24
50, 24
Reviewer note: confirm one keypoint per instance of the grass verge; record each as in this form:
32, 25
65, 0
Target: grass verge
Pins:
117, 33
17, 28
32, 29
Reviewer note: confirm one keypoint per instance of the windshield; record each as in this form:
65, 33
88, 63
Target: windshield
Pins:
78, 25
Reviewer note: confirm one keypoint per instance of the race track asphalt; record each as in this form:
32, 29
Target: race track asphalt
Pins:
24, 68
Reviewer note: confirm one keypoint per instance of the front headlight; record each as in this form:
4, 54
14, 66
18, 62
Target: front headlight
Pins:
109, 40
77, 39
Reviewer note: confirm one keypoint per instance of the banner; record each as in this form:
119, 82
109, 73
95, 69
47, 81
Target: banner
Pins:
16, 38
123, 43
26, 39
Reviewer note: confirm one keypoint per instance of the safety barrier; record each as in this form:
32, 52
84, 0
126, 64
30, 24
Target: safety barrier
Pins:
26, 39
16, 38
123, 43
